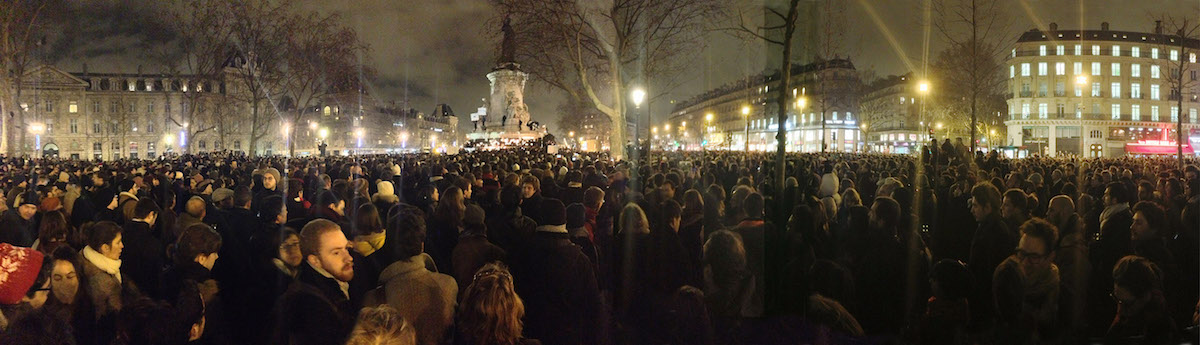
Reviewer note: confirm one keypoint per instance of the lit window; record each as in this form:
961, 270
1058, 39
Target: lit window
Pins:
1174, 55
1095, 50
132, 86
1096, 89
1135, 52
1192, 57
1025, 111
1192, 115
1043, 111
1135, 90
1042, 50
1042, 67
1078, 49
1135, 112
1154, 113
1135, 70
73, 107
1116, 90
327, 110
1062, 50
1174, 114
1025, 69
1154, 71
1116, 69
1078, 68
1012, 71
1116, 111
1096, 68
1060, 68
1153, 53
1116, 51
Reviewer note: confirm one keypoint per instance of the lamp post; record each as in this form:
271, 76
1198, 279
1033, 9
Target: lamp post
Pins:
37, 129
637, 96
801, 103
923, 89
1080, 81
746, 114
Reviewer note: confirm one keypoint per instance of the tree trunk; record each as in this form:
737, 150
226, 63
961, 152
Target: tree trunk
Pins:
782, 105
253, 152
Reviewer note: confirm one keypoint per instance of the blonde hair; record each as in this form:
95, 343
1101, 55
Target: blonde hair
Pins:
382, 325
490, 311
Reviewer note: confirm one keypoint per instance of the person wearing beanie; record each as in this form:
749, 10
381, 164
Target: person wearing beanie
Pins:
270, 187
17, 225
562, 298
26, 284
385, 198
17, 187
473, 249
580, 235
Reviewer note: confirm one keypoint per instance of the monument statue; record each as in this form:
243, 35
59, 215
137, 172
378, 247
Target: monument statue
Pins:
507, 46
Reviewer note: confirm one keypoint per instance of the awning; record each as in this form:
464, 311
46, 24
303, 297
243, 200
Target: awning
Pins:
1156, 147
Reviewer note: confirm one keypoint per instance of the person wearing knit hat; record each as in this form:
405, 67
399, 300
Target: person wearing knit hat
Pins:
50, 204
16, 225
385, 198
580, 236
26, 280
473, 249
553, 216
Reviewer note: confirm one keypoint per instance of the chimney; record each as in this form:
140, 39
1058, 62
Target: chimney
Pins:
139, 70
1104, 26
84, 68
1158, 27
1053, 26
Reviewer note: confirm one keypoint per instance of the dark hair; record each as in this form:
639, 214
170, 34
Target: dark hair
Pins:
1018, 198
1118, 191
888, 210
294, 187
985, 194
102, 233
366, 220
148, 321
510, 196
242, 196
198, 239
1137, 274
144, 207
670, 210
406, 232
53, 229
1154, 215
44, 273
953, 277
39, 326
753, 206
271, 207
1041, 229
310, 235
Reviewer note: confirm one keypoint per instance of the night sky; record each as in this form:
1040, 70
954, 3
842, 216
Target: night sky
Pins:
438, 51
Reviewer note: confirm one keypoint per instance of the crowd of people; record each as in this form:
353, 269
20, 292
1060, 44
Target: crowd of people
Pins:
524, 247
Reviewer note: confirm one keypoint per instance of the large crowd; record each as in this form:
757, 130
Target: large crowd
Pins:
524, 247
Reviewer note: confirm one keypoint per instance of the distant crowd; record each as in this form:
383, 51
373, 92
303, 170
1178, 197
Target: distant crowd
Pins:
526, 247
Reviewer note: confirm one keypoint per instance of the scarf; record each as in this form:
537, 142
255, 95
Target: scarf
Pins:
102, 262
344, 286
283, 267
369, 243
1110, 211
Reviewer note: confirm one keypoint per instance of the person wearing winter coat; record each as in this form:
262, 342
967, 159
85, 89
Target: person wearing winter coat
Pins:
426, 298
992, 244
144, 254
473, 250
1026, 287
316, 308
1071, 257
384, 199
17, 224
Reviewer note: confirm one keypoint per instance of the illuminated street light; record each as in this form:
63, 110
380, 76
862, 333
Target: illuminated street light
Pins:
1081, 80
667, 127
923, 87
37, 128
746, 110
358, 132
168, 139
323, 133
638, 95
708, 117
939, 125
286, 128
312, 125
571, 134
655, 130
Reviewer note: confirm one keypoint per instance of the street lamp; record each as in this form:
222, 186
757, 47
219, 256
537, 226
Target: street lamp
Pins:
37, 129
638, 95
746, 114
1080, 81
923, 89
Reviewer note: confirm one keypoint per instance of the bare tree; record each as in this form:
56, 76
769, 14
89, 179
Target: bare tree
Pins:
976, 28
20, 24
1181, 41
982, 93
781, 33
322, 59
259, 35
598, 49
196, 56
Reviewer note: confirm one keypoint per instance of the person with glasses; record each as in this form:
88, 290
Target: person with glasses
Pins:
991, 245
1142, 314
1026, 287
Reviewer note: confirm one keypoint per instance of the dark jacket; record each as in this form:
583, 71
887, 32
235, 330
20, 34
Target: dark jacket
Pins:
562, 301
472, 252
992, 244
144, 256
216, 328
753, 232
509, 229
313, 311
15, 230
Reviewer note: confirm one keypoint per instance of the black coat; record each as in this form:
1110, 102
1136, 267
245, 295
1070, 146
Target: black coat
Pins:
314, 311
143, 258
15, 230
562, 301
509, 229
992, 244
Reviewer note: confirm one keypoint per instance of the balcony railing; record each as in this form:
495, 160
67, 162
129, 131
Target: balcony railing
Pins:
1026, 94
1060, 93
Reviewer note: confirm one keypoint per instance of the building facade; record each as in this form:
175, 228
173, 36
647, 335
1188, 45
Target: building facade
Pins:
360, 124
743, 115
891, 115
1099, 93
130, 115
